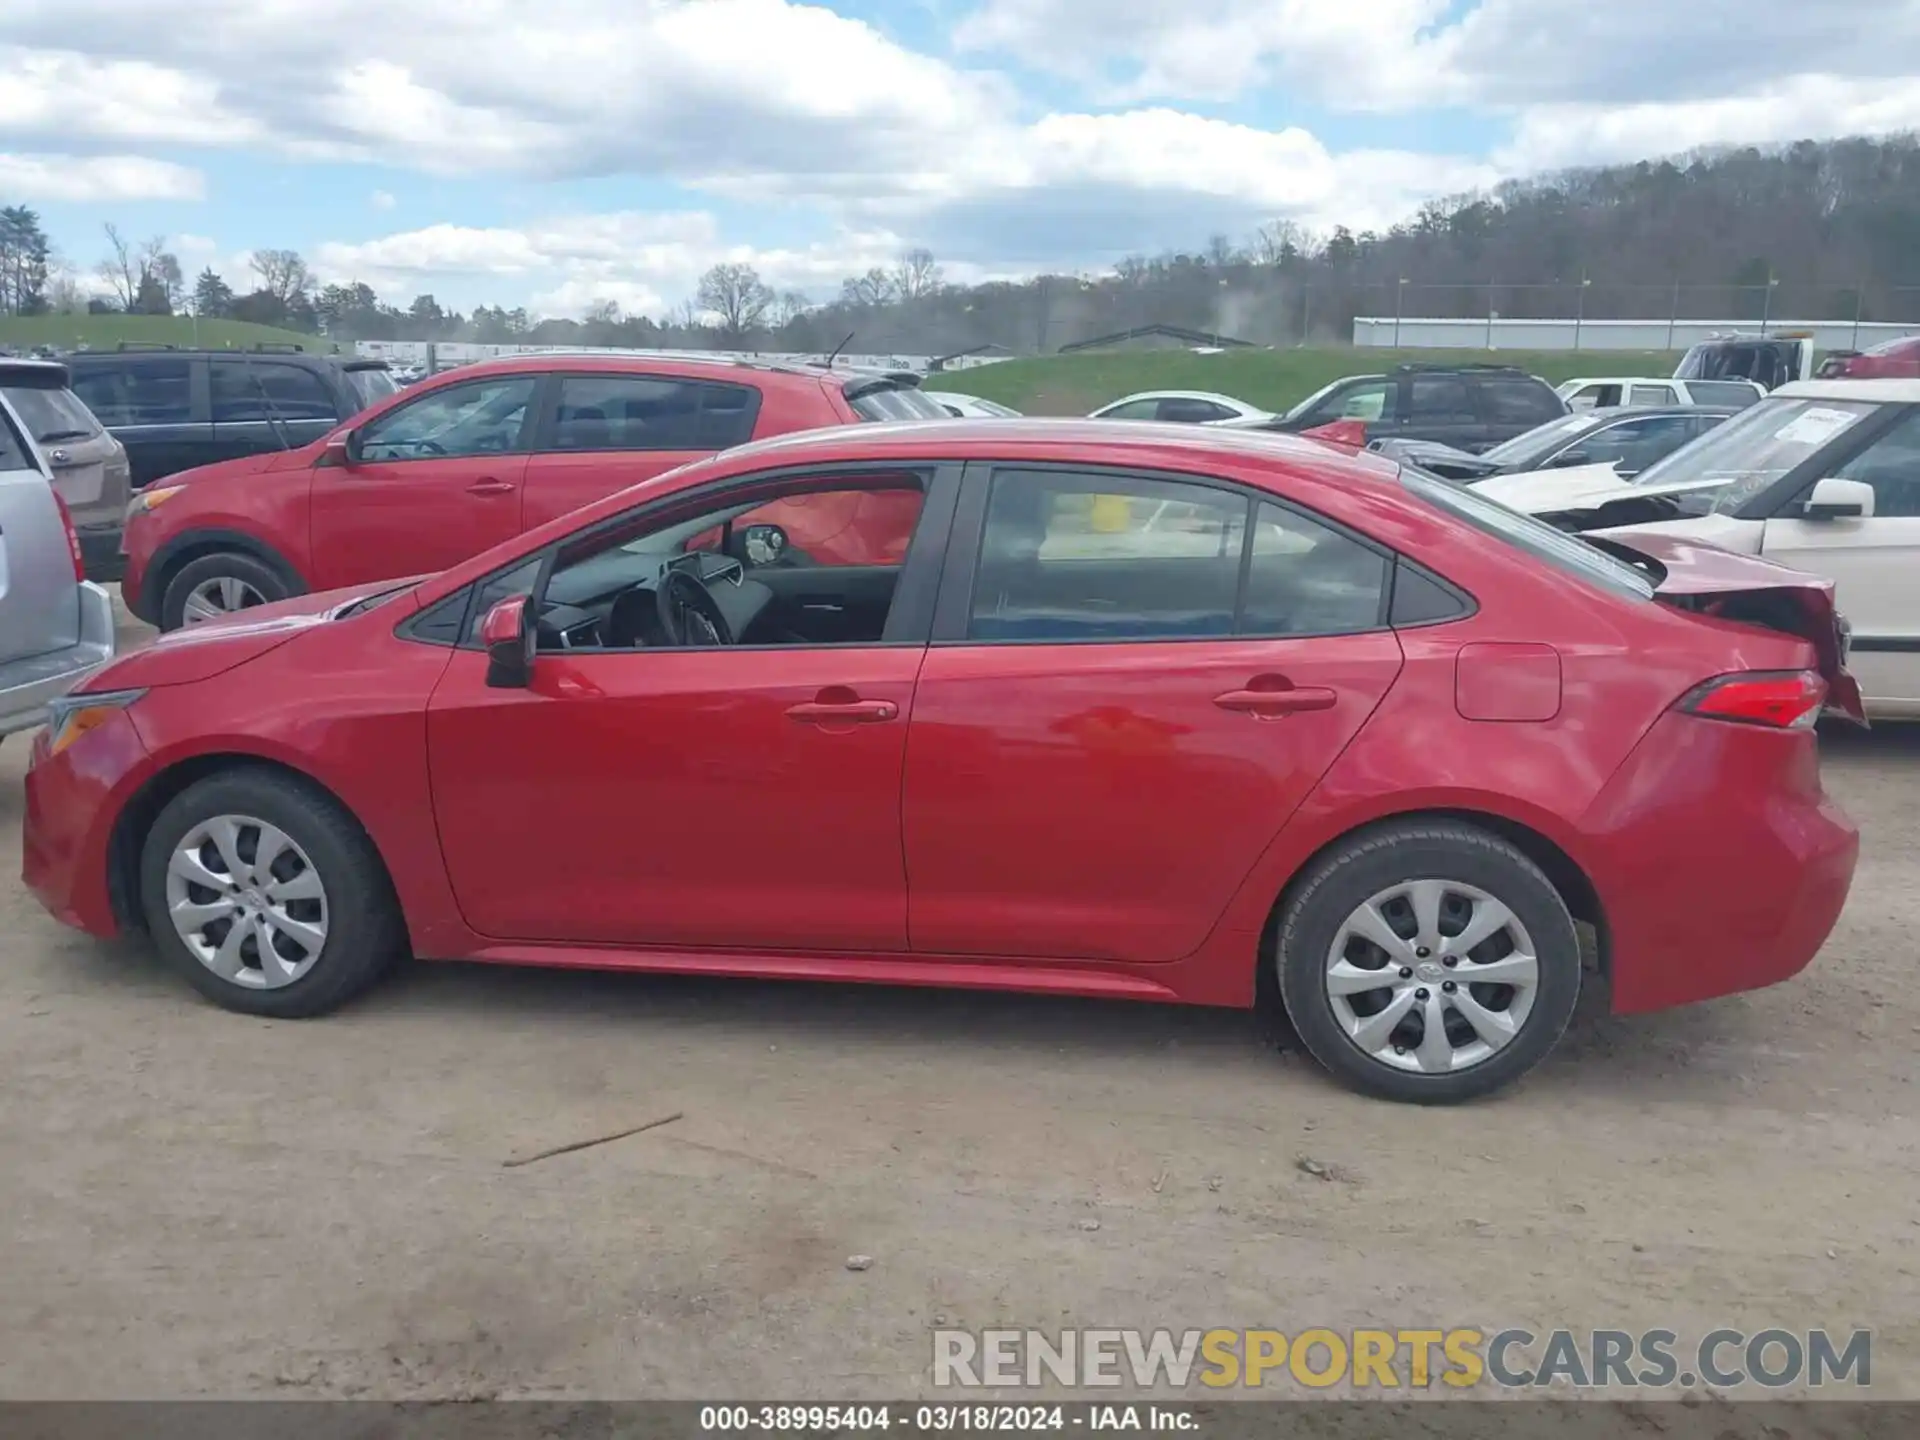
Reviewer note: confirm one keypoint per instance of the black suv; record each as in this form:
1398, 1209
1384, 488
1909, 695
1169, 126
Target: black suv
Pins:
1469, 407
174, 409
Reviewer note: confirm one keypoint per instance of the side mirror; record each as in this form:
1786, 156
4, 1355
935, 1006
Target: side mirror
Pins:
342, 452
764, 544
1566, 459
1837, 499
509, 640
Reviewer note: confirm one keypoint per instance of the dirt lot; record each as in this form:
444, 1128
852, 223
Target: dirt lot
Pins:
201, 1204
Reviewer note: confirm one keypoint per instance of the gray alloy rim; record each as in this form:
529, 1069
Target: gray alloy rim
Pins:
247, 901
222, 595
1432, 977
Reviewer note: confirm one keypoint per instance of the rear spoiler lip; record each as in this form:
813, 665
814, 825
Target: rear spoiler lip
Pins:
1695, 569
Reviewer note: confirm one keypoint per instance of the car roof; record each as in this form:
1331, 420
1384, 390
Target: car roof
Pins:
1877, 392
683, 366
1178, 395
1641, 412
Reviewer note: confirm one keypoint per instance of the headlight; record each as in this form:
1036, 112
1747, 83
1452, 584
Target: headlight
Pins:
72, 716
151, 498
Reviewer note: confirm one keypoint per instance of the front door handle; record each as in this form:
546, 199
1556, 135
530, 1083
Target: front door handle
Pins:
1272, 699
490, 487
845, 712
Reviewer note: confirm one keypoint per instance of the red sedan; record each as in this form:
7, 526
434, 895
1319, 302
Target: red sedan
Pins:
1142, 712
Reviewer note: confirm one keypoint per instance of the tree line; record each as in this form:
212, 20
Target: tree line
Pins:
1819, 230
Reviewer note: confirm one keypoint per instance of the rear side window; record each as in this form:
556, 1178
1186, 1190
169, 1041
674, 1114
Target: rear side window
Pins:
1537, 538
13, 452
1192, 412
1516, 400
1440, 399
651, 412
267, 390
148, 392
896, 402
1305, 578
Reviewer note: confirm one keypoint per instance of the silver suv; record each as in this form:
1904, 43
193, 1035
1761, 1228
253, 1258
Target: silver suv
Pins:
90, 469
55, 626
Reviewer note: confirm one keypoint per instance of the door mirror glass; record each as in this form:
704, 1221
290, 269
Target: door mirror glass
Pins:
1567, 458
1837, 499
763, 544
509, 640
342, 452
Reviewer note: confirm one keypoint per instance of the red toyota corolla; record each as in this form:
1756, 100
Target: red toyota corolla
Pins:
1142, 712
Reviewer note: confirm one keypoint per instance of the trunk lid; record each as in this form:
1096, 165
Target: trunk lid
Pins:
1704, 580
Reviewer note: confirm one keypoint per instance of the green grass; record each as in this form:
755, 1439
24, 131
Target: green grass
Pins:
1273, 379
104, 332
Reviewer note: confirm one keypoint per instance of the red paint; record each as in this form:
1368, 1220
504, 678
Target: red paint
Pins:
328, 524
1505, 681
1103, 819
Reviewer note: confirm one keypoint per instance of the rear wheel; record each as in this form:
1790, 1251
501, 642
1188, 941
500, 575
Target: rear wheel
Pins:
1429, 963
215, 586
267, 897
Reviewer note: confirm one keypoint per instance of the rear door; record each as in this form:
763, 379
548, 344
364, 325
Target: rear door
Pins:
258, 405
155, 405
1874, 562
1440, 407
1114, 721
602, 432
1511, 405
39, 601
438, 480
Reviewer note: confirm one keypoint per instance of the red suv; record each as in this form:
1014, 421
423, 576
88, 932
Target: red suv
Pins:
448, 468
1897, 359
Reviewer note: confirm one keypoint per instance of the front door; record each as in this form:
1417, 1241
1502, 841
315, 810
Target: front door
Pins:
1874, 563
1123, 723
437, 481
646, 792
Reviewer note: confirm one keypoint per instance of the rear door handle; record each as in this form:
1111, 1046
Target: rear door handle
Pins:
490, 487
846, 712
1272, 704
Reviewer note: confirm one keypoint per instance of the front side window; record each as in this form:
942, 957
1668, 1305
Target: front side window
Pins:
267, 390
1371, 400
1891, 465
155, 392
483, 417
1132, 410
1073, 556
650, 412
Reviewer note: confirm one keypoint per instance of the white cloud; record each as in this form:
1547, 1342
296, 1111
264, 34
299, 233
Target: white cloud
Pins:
80, 178
381, 200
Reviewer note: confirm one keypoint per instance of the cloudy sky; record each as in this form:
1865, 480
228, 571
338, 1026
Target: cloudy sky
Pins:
555, 152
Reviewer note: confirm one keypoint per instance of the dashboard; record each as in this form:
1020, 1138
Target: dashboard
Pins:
609, 601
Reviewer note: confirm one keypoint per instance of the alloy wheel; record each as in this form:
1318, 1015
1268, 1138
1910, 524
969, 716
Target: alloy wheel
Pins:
247, 901
1431, 976
217, 597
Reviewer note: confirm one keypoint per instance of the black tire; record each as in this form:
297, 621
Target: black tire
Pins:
263, 578
365, 932
1343, 880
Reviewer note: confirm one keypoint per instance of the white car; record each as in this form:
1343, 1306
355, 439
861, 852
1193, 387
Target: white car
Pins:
1610, 392
1190, 407
1822, 475
970, 407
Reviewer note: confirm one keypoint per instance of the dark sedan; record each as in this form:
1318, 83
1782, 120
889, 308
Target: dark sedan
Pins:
1628, 439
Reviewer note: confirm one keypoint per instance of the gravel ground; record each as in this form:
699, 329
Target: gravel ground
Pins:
202, 1204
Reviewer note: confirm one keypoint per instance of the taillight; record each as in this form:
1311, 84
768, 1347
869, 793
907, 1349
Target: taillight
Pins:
1780, 700
73, 537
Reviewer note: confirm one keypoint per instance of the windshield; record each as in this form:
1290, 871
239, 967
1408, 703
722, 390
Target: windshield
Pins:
53, 415
1564, 552
1539, 442
371, 384
897, 402
1757, 446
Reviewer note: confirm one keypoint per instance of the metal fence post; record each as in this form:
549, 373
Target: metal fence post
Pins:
1673, 315
1859, 307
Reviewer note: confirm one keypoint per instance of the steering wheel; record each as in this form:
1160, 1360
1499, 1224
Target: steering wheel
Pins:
688, 614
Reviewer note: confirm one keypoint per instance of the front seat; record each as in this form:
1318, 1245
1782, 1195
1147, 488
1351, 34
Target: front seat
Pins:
586, 429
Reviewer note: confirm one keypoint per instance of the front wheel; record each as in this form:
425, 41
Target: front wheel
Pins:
215, 586
1428, 962
267, 896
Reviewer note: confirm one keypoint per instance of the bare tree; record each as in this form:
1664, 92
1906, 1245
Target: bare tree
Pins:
1278, 242
121, 268
868, 290
738, 296
788, 306
283, 274
917, 274
160, 274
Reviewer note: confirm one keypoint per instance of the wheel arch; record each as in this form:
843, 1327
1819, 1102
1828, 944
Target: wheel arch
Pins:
191, 545
136, 818
1568, 877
